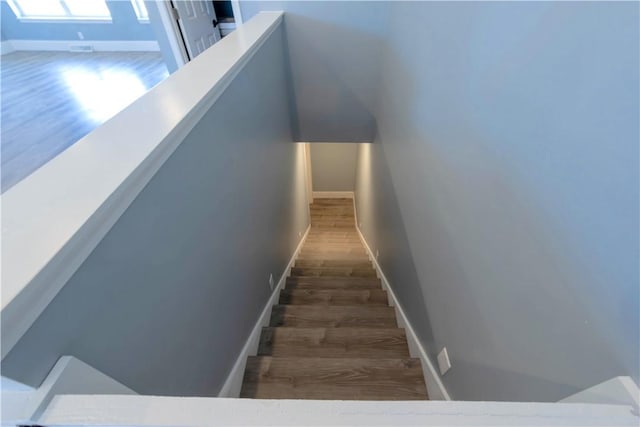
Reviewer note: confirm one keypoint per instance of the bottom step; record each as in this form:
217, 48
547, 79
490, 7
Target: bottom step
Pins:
333, 378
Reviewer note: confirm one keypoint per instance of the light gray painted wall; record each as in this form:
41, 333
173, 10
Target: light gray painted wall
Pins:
333, 166
380, 221
334, 48
166, 301
510, 133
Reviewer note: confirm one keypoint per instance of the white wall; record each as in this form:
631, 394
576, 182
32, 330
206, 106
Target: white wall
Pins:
333, 166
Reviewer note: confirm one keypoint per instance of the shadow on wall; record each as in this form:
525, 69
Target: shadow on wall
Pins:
522, 248
381, 224
294, 120
334, 102
482, 359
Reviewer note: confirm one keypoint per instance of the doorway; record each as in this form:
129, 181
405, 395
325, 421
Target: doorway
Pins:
192, 26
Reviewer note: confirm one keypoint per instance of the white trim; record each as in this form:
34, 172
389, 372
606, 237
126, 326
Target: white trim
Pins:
161, 411
139, 8
86, 189
435, 386
68, 376
95, 45
6, 47
308, 174
170, 25
333, 195
233, 384
237, 12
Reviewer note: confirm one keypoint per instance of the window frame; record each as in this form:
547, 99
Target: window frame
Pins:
136, 4
67, 18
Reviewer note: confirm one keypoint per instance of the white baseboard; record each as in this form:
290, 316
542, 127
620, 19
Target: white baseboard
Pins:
333, 194
6, 47
435, 387
85, 45
233, 384
68, 376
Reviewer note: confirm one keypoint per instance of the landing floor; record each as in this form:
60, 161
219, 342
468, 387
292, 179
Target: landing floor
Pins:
52, 99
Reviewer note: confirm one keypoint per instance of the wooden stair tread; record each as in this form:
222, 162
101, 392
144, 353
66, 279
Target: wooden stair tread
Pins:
333, 334
333, 255
334, 227
322, 224
334, 251
341, 215
334, 244
367, 271
337, 248
325, 237
332, 233
334, 247
332, 202
336, 239
333, 215
333, 297
332, 219
327, 282
334, 342
333, 316
333, 378
331, 209
329, 254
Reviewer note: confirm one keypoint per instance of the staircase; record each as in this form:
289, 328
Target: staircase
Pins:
333, 334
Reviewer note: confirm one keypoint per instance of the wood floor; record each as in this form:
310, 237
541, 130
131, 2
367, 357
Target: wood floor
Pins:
52, 99
333, 335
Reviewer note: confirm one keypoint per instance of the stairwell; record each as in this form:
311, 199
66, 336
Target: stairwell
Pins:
333, 334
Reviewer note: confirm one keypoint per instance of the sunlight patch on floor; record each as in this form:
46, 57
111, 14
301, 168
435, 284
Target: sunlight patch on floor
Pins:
102, 93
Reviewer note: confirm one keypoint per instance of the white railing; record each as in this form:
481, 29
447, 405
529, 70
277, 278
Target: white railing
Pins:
52, 220
172, 411
75, 393
68, 376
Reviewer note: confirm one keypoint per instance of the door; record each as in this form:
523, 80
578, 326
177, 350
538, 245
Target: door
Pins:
198, 24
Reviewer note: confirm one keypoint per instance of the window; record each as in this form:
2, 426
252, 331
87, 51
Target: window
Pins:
141, 10
92, 10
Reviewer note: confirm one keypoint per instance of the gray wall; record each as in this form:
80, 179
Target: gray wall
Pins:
125, 26
510, 135
166, 301
333, 166
334, 48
